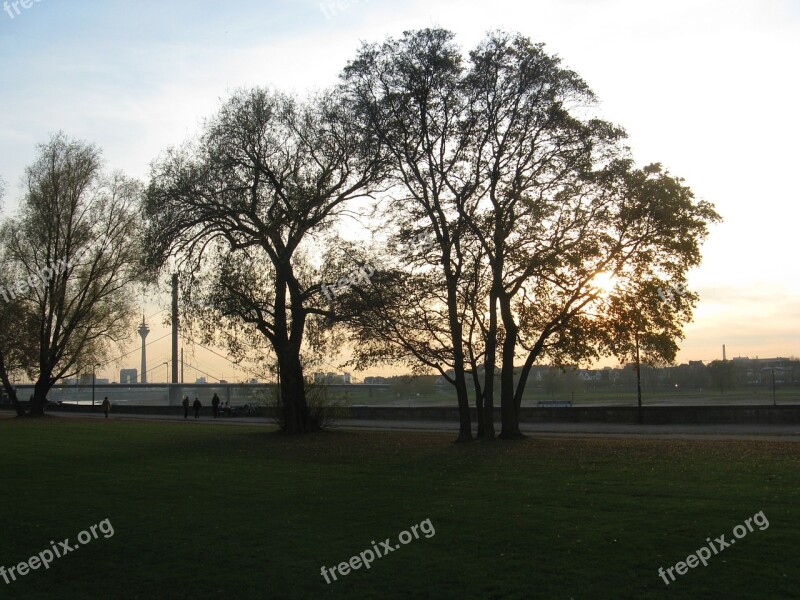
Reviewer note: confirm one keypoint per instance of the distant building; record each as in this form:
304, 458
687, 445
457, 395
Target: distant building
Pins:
200, 380
589, 374
347, 377
329, 378
128, 376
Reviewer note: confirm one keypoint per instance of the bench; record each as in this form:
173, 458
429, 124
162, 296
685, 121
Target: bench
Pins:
554, 404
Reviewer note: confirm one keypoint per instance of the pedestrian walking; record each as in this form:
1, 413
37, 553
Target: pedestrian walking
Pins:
185, 407
215, 405
106, 406
197, 406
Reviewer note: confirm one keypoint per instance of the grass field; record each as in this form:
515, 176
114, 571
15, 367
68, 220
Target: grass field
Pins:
203, 511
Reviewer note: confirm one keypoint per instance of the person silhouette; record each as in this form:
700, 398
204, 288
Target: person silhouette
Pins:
197, 406
185, 405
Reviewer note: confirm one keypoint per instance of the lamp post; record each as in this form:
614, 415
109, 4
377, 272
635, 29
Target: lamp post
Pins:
638, 377
93, 367
774, 401
167, 365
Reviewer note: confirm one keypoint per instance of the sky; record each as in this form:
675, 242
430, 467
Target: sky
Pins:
708, 88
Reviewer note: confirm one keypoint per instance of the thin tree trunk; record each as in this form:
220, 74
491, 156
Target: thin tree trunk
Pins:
489, 368
459, 363
478, 400
521, 383
510, 415
465, 421
523, 378
12, 393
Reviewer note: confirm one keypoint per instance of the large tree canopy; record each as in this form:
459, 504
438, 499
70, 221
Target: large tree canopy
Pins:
531, 199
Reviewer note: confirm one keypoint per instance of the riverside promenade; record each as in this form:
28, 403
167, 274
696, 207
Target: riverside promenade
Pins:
781, 432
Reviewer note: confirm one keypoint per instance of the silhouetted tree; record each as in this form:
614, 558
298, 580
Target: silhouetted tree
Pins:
239, 209
70, 258
17, 332
408, 91
503, 153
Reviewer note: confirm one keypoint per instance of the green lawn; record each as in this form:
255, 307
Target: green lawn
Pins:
202, 511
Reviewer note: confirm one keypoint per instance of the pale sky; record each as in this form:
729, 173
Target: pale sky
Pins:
709, 88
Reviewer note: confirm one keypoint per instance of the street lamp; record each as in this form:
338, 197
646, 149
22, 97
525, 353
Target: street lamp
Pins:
638, 376
93, 367
774, 402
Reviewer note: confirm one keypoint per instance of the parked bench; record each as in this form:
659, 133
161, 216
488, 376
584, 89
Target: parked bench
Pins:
555, 403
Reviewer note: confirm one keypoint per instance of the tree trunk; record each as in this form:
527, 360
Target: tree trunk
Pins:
507, 429
40, 391
459, 360
465, 421
488, 368
478, 401
296, 416
510, 414
523, 381
12, 393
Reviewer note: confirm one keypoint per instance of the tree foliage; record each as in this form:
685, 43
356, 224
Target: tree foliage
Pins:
70, 258
240, 211
531, 198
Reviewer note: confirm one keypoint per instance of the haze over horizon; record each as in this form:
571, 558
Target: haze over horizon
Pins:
695, 84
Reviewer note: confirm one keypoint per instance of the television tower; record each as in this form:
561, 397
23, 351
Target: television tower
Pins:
143, 331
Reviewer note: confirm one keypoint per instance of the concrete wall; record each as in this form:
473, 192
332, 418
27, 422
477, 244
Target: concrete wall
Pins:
599, 414
623, 414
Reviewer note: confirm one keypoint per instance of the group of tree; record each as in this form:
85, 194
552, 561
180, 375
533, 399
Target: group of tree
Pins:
496, 157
